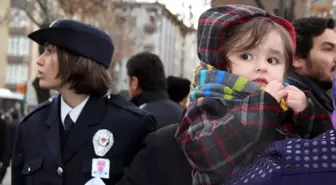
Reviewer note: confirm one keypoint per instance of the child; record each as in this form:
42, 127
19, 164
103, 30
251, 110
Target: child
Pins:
239, 103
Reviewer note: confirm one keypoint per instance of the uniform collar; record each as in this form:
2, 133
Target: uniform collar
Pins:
73, 112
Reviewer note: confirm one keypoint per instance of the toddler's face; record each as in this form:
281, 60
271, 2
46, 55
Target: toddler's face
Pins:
262, 64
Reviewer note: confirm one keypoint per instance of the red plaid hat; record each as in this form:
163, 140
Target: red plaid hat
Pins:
213, 23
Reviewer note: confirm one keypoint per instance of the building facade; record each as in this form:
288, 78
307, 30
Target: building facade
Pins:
190, 54
18, 52
302, 7
323, 8
149, 27
155, 29
4, 34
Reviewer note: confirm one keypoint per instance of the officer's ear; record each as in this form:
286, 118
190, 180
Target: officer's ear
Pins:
134, 83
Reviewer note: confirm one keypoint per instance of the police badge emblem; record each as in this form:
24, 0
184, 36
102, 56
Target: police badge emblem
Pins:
102, 142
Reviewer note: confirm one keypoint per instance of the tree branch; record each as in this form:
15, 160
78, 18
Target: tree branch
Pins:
5, 18
29, 8
259, 4
44, 8
31, 17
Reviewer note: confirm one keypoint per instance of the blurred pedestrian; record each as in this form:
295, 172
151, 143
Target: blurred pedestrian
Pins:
315, 58
178, 90
148, 88
3, 147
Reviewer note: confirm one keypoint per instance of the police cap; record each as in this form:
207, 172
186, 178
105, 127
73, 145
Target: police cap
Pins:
79, 38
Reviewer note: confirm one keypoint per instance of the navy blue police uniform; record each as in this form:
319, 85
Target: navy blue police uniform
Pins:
45, 154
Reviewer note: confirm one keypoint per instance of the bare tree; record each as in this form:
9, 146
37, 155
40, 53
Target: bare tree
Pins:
285, 10
259, 4
43, 12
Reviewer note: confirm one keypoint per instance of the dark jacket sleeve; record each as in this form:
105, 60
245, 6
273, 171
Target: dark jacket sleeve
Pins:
138, 172
312, 121
147, 125
17, 159
161, 161
217, 135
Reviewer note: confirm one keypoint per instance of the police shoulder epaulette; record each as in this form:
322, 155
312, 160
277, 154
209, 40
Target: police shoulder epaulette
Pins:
39, 107
119, 101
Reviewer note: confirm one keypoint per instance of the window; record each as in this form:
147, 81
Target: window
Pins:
132, 21
148, 48
18, 46
17, 73
19, 18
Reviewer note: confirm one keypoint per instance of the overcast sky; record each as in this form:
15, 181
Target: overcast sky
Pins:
182, 7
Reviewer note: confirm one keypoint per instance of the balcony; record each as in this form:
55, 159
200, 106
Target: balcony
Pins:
11, 87
15, 59
19, 30
151, 26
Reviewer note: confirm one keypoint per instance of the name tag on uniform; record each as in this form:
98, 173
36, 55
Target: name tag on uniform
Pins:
100, 168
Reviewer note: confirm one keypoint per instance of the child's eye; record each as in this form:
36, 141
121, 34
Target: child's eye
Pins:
246, 57
272, 61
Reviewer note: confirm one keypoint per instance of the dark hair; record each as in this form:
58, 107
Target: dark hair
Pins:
84, 75
258, 27
178, 88
306, 29
148, 68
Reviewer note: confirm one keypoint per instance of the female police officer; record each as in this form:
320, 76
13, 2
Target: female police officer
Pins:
83, 135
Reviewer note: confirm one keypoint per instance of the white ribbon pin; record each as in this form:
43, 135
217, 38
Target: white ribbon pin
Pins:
102, 142
95, 181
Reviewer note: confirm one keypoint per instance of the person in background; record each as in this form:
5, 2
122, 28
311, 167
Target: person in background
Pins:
9, 133
314, 63
178, 90
3, 147
148, 88
161, 161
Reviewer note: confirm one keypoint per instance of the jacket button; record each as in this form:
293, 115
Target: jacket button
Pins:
59, 171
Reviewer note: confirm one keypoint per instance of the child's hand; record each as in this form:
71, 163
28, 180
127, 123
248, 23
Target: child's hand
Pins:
296, 99
276, 89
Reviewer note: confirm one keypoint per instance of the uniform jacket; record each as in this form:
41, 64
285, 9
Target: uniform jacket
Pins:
37, 157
